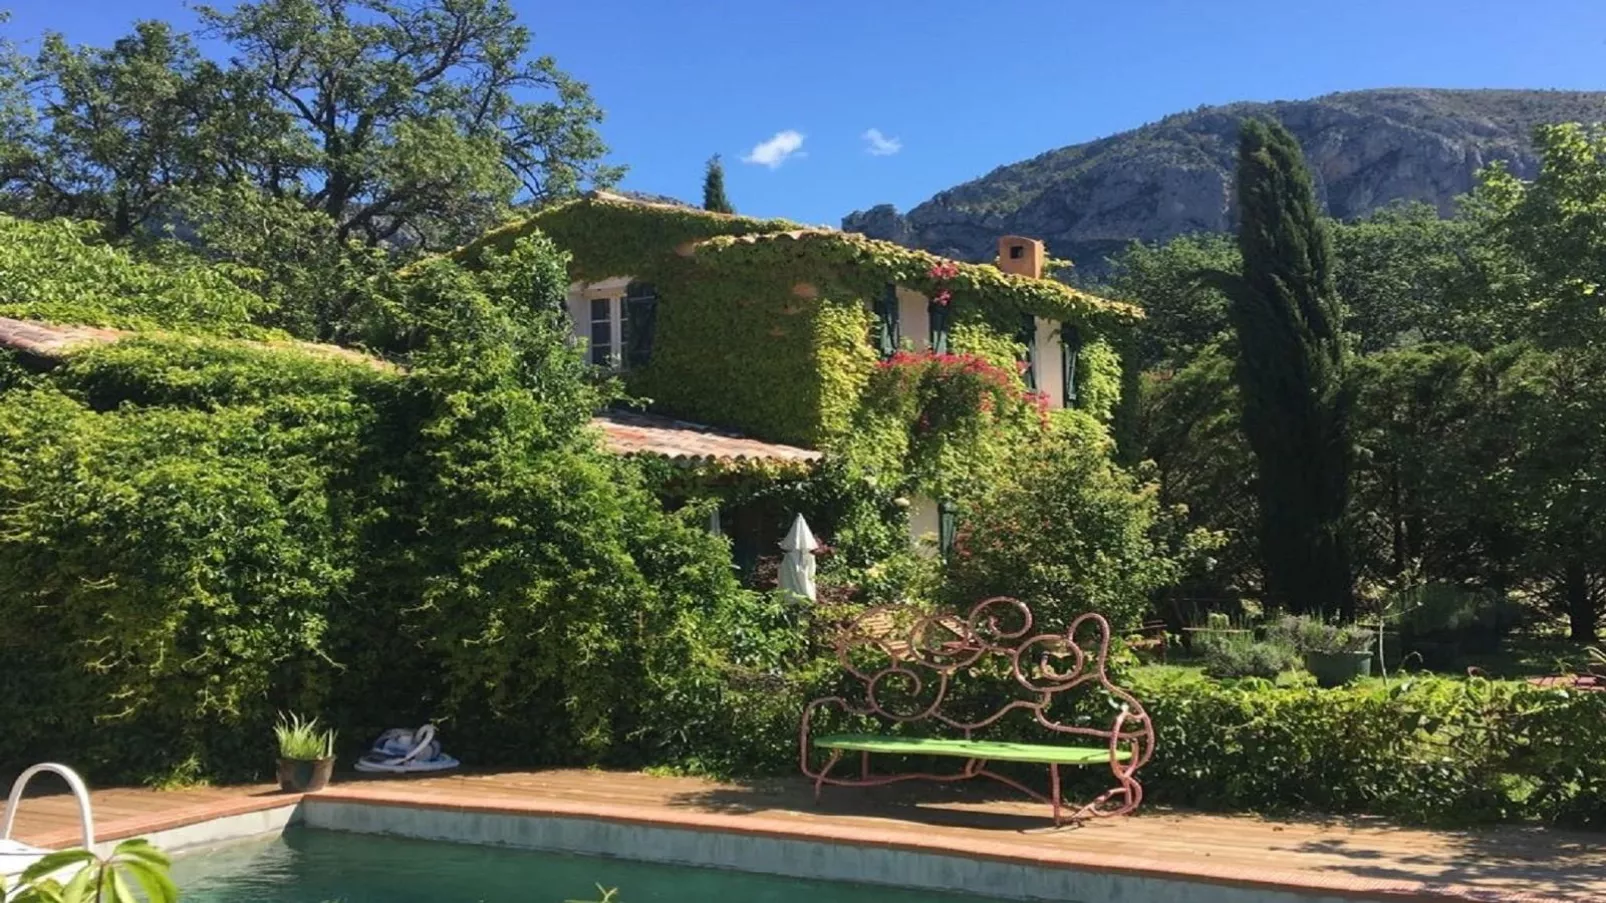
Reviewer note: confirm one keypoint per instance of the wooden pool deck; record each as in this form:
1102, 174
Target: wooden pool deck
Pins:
1355, 858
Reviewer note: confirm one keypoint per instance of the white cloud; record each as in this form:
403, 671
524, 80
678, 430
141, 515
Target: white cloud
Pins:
879, 145
777, 150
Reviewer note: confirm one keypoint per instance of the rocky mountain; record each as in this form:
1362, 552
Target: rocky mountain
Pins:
1365, 149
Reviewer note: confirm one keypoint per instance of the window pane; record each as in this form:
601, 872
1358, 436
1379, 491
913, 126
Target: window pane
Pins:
1028, 339
599, 309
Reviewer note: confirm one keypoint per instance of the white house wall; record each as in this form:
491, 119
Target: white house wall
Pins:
914, 319
1048, 362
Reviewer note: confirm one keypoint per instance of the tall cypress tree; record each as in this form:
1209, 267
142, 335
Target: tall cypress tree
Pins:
1290, 370
714, 188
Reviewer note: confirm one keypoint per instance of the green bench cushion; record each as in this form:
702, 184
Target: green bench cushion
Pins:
971, 749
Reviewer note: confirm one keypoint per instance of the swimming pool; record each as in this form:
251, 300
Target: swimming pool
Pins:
311, 866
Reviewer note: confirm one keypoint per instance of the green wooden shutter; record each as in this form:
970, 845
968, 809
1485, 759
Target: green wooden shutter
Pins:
1071, 342
939, 326
1028, 338
641, 322
947, 527
886, 312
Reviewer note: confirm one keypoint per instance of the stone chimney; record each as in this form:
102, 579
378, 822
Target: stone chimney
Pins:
1021, 256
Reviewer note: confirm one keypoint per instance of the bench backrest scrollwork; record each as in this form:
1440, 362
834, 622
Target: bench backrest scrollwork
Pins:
908, 664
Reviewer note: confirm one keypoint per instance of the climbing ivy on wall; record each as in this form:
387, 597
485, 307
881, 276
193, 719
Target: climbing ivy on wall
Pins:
764, 325
756, 355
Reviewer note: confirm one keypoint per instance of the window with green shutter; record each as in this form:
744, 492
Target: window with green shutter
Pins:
947, 527
641, 320
938, 314
602, 332
1071, 340
1027, 337
887, 326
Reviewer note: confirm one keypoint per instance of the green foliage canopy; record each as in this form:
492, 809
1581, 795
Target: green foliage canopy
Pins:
714, 198
415, 123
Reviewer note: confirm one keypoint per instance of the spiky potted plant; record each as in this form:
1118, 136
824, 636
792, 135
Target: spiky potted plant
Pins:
1335, 654
306, 754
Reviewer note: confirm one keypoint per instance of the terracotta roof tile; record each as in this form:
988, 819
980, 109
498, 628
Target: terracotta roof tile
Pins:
54, 341
49, 340
625, 433
630, 433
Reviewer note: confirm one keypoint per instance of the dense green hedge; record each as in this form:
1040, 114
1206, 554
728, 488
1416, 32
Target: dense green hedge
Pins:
1432, 750
195, 534
59, 270
1435, 751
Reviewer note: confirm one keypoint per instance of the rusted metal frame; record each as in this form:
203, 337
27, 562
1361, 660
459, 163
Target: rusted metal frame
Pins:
967, 642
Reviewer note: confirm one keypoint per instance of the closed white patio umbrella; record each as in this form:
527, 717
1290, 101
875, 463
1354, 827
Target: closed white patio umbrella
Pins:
797, 568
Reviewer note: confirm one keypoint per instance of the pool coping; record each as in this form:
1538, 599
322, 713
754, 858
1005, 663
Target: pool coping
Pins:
753, 825
257, 815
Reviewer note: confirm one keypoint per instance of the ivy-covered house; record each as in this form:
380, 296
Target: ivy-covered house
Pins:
778, 331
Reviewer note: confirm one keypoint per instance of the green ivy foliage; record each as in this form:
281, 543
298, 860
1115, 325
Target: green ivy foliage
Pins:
1435, 751
1070, 531
197, 534
1098, 380
607, 235
166, 571
59, 271
763, 325
752, 355
949, 425
866, 264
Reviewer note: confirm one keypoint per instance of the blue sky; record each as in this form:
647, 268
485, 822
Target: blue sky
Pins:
954, 89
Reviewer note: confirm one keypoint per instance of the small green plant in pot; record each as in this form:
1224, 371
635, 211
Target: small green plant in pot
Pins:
306, 754
1335, 654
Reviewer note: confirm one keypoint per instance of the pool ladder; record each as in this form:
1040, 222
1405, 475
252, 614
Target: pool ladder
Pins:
81, 792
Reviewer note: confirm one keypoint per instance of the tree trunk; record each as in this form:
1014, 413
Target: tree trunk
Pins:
1397, 522
1582, 614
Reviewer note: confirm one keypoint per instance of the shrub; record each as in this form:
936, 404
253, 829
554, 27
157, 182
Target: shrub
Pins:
195, 535
1069, 531
1238, 655
1442, 623
60, 271
1430, 750
1304, 633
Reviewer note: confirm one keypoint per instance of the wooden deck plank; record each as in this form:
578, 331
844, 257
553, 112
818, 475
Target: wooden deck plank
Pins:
1359, 856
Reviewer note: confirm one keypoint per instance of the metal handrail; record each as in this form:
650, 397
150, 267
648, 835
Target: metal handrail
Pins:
74, 782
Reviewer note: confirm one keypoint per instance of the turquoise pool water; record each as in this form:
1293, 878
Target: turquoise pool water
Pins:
306, 866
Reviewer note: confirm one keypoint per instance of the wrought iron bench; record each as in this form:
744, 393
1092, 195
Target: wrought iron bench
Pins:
892, 652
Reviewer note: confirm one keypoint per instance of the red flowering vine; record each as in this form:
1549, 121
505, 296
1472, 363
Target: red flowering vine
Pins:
940, 272
949, 387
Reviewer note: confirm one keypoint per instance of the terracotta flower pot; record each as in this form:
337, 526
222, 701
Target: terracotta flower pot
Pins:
305, 775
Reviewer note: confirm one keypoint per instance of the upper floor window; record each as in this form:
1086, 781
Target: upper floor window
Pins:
1071, 340
887, 325
602, 332
640, 323
1027, 338
939, 326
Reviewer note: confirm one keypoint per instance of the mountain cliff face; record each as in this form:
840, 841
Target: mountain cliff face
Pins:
1365, 150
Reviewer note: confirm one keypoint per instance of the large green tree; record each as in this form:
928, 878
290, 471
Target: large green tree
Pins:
1407, 275
115, 133
407, 123
1555, 229
1286, 316
1181, 315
